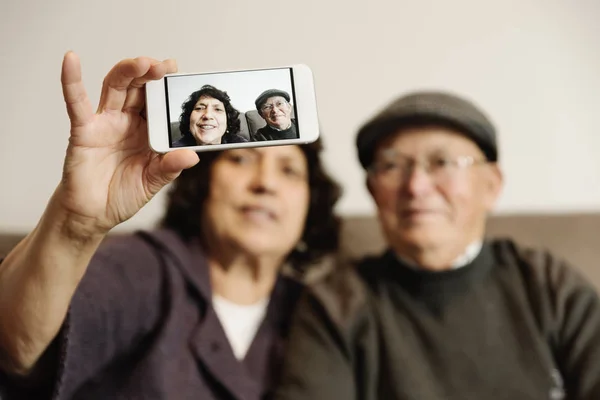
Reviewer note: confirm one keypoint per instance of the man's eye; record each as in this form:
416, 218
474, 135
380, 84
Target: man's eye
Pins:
440, 162
386, 166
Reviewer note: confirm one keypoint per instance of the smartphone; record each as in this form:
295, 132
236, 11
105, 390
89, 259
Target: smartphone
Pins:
232, 109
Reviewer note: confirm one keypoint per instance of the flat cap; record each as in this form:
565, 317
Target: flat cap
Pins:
264, 96
435, 107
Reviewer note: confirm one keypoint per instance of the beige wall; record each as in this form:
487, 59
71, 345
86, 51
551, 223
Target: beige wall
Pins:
533, 64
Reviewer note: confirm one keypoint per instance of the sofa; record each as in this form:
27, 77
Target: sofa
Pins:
250, 122
574, 237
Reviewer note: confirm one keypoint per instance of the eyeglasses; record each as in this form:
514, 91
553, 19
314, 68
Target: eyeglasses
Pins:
269, 107
393, 170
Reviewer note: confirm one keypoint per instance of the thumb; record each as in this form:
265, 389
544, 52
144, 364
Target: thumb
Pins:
163, 169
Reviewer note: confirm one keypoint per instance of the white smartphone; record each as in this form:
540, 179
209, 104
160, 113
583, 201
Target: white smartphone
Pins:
232, 109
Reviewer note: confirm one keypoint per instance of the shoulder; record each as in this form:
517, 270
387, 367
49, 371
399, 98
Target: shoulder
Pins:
259, 135
234, 138
544, 271
130, 248
340, 291
265, 130
536, 260
135, 257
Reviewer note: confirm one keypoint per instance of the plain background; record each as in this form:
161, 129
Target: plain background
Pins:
533, 65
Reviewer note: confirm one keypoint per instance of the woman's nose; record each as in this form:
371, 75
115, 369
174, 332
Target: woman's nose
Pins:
265, 178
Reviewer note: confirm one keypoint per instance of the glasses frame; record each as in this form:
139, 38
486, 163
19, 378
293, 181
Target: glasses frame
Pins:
451, 164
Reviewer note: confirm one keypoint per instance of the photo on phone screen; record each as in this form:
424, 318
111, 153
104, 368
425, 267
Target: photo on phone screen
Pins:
235, 108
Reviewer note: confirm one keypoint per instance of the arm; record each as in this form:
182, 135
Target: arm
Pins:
115, 306
577, 314
37, 281
317, 365
109, 174
331, 345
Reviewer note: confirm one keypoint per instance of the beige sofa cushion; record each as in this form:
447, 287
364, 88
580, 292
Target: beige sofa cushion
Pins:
255, 121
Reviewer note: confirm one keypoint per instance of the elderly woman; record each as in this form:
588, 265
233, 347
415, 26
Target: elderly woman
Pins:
207, 117
196, 309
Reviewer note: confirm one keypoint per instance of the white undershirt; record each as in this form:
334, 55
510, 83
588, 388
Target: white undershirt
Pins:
469, 255
240, 322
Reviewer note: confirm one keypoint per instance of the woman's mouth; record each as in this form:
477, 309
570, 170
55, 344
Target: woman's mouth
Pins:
206, 127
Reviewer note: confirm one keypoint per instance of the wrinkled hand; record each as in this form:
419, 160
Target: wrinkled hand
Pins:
110, 172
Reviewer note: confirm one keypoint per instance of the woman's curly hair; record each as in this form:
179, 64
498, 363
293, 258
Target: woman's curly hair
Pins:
321, 232
233, 120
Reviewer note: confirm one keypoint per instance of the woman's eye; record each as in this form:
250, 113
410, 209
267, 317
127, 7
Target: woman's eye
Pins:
293, 172
240, 158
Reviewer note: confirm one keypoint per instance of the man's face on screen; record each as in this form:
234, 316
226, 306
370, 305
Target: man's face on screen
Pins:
277, 112
208, 121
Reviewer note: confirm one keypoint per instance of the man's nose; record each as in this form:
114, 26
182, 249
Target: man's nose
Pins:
417, 180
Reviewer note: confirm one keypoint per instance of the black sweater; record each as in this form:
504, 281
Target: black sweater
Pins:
269, 133
513, 324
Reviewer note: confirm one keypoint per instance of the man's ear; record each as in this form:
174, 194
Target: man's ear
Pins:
494, 185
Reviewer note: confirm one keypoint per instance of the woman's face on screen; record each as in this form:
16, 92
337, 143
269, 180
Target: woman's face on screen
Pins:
208, 121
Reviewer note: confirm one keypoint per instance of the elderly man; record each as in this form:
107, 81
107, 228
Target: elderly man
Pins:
274, 107
443, 313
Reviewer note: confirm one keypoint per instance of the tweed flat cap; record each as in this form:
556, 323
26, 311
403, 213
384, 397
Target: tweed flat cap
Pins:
434, 107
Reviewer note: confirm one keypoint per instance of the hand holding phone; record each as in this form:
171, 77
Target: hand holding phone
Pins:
109, 171
232, 109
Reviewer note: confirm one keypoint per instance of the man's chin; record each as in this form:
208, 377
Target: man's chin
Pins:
421, 237
281, 126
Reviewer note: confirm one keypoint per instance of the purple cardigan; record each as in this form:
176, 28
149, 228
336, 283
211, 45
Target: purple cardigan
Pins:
141, 326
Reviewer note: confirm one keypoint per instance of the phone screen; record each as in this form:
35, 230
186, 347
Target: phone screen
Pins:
231, 107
